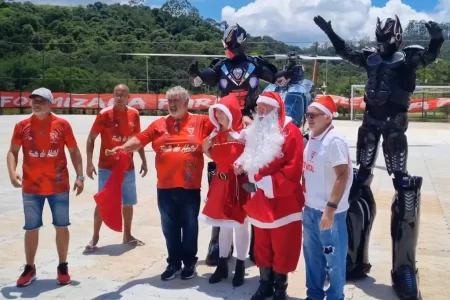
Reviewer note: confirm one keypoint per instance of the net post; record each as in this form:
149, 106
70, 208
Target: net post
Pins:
351, 102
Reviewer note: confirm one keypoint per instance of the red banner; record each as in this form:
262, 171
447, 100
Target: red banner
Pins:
159, 101
95, 101
417, 105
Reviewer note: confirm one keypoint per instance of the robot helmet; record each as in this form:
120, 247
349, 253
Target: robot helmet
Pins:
389, 35
234, 40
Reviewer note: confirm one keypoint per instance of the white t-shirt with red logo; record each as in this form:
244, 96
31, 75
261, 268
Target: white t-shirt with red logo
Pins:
321, 155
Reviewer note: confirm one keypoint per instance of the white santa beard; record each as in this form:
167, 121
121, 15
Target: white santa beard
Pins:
264, 143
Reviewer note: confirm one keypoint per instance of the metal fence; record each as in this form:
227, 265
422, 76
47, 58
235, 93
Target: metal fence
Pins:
89, 72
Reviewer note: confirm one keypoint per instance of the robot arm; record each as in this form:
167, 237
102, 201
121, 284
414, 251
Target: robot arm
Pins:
208, 76
342, 48
356, 57
420, 57
267, 70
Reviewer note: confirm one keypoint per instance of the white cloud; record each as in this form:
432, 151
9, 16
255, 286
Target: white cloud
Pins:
292, 20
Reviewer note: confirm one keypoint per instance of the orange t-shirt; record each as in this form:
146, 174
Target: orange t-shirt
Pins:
115, 128
44, 159
179, 155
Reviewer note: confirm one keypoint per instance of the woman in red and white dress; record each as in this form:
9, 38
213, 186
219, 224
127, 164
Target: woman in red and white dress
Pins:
226, 195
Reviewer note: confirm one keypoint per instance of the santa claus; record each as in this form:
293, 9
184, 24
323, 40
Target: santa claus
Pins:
273, 159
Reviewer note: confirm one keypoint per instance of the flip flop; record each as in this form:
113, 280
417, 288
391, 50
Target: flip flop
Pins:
135, 243
89, 249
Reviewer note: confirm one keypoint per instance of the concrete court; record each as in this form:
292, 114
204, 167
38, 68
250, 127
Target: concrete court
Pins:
117, 271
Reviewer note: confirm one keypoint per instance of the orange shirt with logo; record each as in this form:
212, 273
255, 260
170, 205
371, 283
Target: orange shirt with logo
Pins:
179, 157
44, 158
115, 128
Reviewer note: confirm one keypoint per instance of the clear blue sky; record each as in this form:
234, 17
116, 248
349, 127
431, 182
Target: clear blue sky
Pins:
213, 8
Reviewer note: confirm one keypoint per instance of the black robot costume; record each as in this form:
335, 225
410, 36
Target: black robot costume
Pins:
391, 79
239, 74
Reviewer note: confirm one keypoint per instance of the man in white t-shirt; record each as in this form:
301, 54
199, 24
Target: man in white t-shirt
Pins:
327, 179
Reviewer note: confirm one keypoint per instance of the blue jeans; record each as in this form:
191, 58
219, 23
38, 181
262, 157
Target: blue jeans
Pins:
129, 194
325, 252
179, 209
33, 206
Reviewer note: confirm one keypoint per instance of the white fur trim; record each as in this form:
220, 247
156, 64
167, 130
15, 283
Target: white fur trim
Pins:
322, 108
267, 186
287, 120
277, 223
235, 135
243, 134
219, 223
268, 101
225, 110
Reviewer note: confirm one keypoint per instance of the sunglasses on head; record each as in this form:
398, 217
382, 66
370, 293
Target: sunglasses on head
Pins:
313, 116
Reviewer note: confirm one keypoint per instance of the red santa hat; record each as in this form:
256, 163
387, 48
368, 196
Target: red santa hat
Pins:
229, 105
326, 105
275, 100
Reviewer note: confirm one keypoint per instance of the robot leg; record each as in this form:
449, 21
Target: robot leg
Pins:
212, 256
362, 210
405, 209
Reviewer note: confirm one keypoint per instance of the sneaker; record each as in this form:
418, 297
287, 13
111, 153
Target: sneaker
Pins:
188, 272
170, 273
27, 277
63, 274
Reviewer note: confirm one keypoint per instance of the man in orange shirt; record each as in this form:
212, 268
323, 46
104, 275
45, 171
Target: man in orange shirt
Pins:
43, 137
177, 141
115, 125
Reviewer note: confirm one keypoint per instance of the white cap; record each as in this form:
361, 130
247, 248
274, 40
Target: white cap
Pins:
44, 93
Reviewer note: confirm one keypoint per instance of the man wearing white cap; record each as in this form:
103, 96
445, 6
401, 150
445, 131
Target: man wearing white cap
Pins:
273, 159
43, 138
328, 178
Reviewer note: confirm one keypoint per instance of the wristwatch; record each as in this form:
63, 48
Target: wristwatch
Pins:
81, 177
332, 205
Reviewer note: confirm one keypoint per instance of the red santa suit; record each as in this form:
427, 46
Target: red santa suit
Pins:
275, 209
226, 195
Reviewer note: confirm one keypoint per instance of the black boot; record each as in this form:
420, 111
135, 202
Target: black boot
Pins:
239, 273
252, 245
221, 271
213, 249
212, 257
265, 288
280, 286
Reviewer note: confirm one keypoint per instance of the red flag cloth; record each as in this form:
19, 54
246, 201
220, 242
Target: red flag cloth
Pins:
109, 200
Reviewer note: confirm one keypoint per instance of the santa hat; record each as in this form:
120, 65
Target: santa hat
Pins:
275, 100
229, 105
326, 105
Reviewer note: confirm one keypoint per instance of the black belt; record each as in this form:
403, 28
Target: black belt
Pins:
222, 176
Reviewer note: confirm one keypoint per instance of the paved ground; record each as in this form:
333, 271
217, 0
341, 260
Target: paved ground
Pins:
120, 272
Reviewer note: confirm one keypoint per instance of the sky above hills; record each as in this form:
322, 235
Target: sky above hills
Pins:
292, 20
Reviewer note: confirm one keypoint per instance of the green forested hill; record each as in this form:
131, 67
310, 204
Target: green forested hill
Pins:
75, 49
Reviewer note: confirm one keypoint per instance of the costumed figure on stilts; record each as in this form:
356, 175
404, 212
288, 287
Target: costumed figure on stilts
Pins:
226, 196
239, 74
391, 79
273, 161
